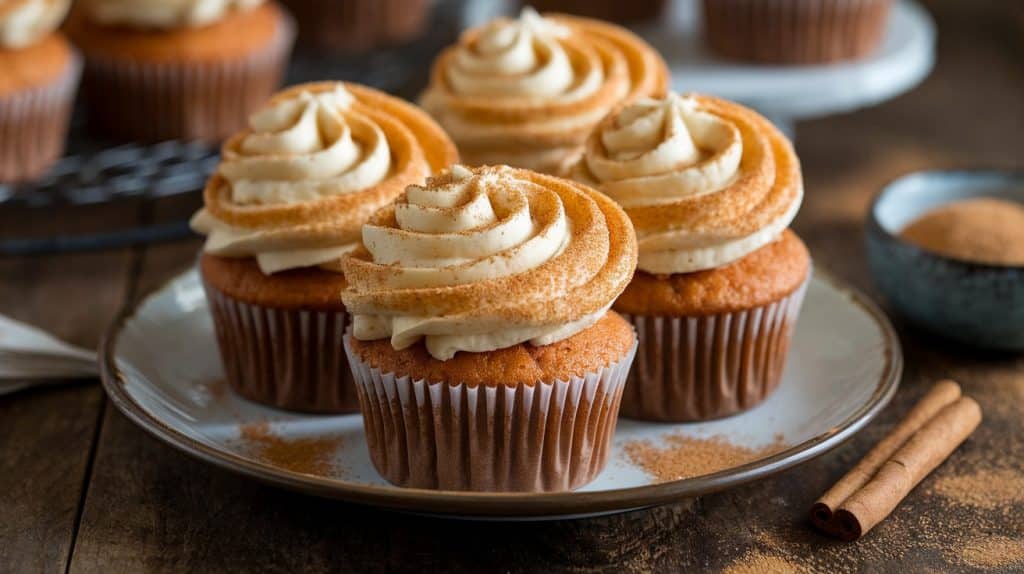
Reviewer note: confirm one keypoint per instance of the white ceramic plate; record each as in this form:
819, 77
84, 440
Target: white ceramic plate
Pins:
161, 368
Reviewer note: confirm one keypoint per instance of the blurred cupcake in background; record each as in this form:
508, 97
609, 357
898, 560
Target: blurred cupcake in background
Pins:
39, 73
289, 198
181, 69
711, 187
795, 31
620, 11
527, 92
353, 26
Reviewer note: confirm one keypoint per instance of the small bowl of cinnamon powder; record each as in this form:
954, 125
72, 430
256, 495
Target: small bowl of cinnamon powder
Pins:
947, 250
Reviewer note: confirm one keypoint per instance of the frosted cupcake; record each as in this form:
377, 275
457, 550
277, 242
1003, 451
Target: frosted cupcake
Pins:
711, 187
39, 73
527, 92
187, 69
482, 346
288, 199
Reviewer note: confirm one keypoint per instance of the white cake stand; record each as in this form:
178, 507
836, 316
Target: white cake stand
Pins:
789, 93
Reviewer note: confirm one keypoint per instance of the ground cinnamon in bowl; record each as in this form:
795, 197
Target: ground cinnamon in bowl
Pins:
982, 230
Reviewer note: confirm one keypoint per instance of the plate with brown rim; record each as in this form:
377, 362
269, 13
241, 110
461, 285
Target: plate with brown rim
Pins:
160, 367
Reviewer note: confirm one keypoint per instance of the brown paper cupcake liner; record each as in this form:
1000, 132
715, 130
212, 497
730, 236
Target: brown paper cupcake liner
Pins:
795, 31
286, 358
206, 101
358, 25
699, 368
526, 438
34, 125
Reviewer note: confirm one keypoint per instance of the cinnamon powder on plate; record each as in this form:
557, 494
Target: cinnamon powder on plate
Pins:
982, 230
313, 455
685, 457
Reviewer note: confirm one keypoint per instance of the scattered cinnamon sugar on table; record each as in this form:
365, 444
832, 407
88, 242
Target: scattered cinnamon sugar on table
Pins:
982, 230
304, 455
993, 552
987, 489
757, 563
685, 457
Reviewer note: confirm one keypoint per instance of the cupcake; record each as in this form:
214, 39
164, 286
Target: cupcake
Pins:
795, 31
358, 25
38, 77
527, 92
189, 69
711, 187
288, 199
611, 10
482, 346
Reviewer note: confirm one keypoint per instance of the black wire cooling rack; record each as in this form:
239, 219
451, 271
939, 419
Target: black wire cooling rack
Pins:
97, 173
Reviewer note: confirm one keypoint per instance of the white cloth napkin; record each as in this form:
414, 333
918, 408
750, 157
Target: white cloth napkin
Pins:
31, 357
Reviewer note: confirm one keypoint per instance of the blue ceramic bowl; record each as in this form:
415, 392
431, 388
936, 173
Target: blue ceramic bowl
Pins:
978, 304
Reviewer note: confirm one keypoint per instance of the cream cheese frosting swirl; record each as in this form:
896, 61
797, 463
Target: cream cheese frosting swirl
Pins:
705, 181
484, 259
164, 14
22, 22
527, 91
294, 189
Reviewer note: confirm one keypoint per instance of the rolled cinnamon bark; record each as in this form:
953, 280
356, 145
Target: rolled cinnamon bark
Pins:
921, 454
942, 394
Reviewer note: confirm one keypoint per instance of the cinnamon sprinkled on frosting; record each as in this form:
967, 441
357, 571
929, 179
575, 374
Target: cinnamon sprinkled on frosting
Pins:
164, 14
483, 259
22, 22
705, 181
294, 189
527, 91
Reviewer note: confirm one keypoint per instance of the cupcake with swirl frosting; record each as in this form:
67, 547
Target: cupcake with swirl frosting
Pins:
288, 200
39, 73
482, 345
526, 92
179, 69
711, 187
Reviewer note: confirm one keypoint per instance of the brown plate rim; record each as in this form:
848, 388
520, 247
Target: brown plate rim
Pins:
513, 505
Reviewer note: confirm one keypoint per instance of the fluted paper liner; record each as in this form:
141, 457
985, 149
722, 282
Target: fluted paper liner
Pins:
795, 31
699, 368
34, 125
208, 101
286, 358
527, 438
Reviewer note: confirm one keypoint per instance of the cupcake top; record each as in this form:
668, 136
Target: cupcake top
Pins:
22, 22
529, 90
163, 14
484, 259
318, 160
705, 181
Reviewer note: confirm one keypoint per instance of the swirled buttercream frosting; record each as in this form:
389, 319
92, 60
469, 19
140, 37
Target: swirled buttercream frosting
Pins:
705, 181
295, 188
164, 14
527, 91
22, 22
484, 259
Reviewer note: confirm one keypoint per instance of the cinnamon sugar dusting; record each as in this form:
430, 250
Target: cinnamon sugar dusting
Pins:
757, 563
988, 489
312, 455
993, 552
985, 230
685, 457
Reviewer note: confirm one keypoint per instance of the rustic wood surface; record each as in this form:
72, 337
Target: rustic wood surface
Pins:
84, 490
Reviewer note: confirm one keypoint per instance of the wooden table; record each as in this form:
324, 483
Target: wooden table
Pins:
82, 489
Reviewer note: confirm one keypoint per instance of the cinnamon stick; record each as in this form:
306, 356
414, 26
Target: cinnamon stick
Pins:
942, 394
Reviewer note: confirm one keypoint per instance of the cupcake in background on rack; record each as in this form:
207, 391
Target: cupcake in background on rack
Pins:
39, 72
527, 92
618, 11
711, 187
482, 345
189, 69
795, 31
289, 198
356, 26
